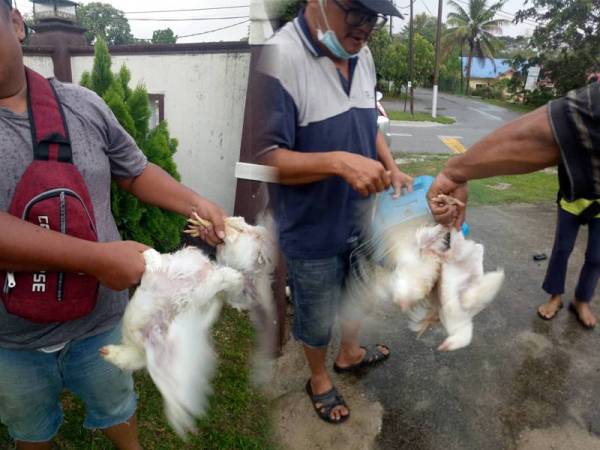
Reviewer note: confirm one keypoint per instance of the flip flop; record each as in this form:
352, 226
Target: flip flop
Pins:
372, 357
328, 401
560, 306
573, 309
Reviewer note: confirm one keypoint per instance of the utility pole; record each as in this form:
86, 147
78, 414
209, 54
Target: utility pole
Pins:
436, 70
461, 69
411, 55
391, 25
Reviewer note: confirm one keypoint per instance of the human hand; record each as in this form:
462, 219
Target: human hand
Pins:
118, 265
400, 180
444, 212
365, 175
214, 231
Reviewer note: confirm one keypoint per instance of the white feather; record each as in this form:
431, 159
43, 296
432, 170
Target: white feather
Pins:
167, 324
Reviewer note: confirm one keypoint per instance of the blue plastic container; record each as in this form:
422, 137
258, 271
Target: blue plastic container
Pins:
409, 206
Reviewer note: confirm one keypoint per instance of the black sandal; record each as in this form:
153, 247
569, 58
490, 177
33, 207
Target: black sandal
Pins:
328, 401
372, 357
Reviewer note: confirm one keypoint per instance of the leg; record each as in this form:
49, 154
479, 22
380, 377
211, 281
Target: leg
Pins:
320, 380
124, 436
30, 386
106, 390
567, 228
351, 352
315, 286
588, 279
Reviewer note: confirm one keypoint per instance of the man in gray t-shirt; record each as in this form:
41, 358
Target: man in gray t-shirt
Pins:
30, 379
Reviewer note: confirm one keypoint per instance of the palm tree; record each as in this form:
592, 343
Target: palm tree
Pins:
475, 29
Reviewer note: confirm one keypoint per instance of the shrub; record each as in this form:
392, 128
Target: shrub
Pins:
135, 220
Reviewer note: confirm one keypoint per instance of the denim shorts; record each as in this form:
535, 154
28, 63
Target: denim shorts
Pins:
31, 383
317, 288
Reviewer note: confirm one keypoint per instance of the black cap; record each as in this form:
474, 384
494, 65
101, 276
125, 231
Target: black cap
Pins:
385, 7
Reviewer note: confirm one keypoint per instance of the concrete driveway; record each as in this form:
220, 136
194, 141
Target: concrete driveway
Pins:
523, 383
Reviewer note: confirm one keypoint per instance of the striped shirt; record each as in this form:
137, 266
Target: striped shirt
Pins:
575, 121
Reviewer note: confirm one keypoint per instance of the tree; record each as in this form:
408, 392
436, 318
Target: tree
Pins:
397, 64
567, 37
475, 29
103, 21
283, 11
136, 221
425, 25
165, 36
424, 59
379, 44
450, 72
511, 47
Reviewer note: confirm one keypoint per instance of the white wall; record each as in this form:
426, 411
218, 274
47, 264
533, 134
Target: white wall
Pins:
205, 96
41, 64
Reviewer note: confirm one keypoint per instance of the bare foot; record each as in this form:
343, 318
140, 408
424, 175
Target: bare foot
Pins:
585, 314
322, 384
548, 310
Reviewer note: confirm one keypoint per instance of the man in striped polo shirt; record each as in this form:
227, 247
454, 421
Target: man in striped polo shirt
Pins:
320, 131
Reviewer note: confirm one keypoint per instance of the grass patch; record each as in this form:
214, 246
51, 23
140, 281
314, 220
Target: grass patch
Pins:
395, 98
537, 187
238, 416
516, 107
419, 117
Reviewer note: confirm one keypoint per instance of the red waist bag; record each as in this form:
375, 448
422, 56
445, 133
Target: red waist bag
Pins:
51, 194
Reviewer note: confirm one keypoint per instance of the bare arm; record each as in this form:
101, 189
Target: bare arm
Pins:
365, 175
156, 187
524, 145
301, 168
521, 146
27, 247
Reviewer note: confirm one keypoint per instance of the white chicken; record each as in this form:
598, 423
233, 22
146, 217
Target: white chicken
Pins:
430, 277
167, 324
464, 290
461, 292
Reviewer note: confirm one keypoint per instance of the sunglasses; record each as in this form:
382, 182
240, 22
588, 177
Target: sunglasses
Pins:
356, 17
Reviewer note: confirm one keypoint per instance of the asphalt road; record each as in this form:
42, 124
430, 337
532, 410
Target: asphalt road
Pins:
522, 384
474, 119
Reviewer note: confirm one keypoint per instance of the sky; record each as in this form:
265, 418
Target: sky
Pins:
229, 13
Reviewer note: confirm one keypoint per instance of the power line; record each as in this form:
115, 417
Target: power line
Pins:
427, 8
188, 10
212, 31
148, 19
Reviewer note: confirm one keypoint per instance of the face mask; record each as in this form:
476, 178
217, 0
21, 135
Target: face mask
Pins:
330, 40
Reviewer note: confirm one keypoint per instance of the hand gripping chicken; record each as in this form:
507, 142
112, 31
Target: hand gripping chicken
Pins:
167, 324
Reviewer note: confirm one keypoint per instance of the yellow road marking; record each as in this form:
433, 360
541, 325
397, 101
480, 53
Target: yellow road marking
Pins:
454, 144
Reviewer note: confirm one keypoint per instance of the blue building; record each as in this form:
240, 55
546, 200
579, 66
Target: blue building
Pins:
484, 71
